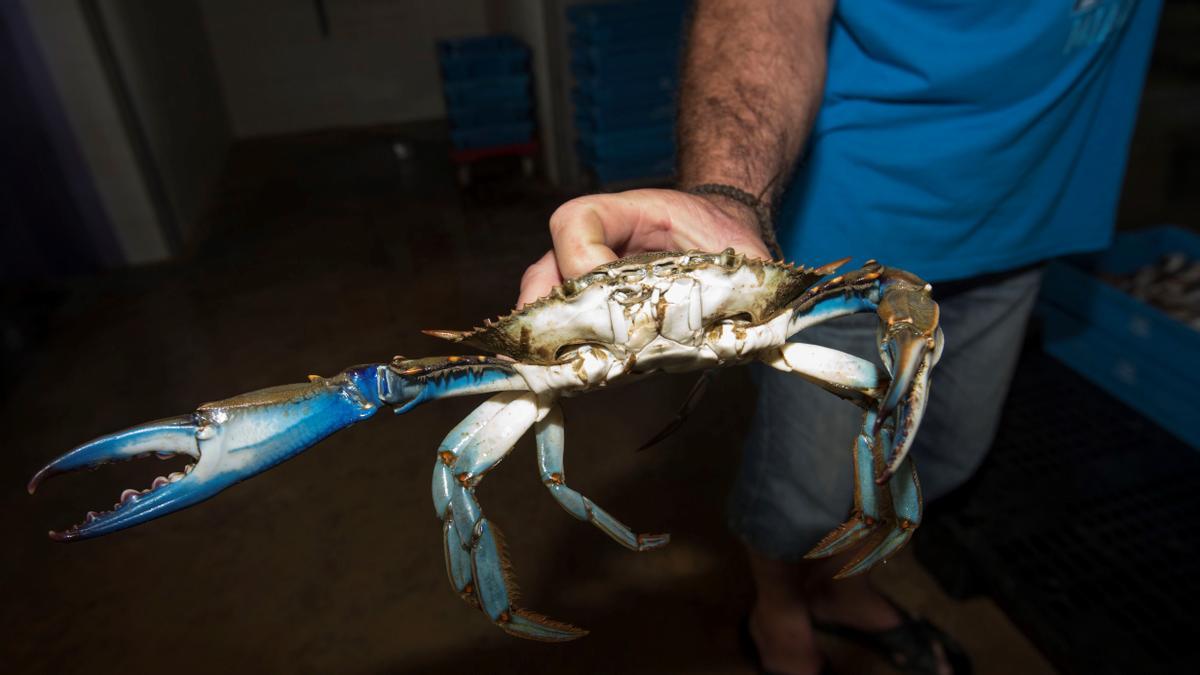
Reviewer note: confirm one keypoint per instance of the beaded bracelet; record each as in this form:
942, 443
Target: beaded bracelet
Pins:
762, 212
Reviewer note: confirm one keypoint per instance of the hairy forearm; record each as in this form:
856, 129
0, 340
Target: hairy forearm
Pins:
752, 80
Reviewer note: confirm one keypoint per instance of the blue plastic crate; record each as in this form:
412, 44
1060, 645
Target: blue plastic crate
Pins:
478, 44
652, 141
491, 136
1071, 284
1136, 352
628, 154
616, 171
487, 91
627, 41
624, 70
1156, 391
473, 115
634, 29
482, 57
592, 121
588, 16
626, 92
593, 62
586, 104
634, 36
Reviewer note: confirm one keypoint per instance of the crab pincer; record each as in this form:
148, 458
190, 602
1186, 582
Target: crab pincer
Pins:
228, 441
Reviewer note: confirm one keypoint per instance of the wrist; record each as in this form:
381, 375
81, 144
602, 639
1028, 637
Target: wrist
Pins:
738, 212
746, 209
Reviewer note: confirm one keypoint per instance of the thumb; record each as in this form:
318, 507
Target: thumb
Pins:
585, 232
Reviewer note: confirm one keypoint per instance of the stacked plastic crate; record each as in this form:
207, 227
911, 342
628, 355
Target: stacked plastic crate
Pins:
625, 61
489, 100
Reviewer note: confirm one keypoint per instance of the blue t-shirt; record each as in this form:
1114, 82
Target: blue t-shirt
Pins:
961, 137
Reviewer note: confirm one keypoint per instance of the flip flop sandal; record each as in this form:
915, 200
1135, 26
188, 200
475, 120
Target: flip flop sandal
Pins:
910, 647
750, 650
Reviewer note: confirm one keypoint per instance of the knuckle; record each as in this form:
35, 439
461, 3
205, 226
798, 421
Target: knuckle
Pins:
570, 213
529, 275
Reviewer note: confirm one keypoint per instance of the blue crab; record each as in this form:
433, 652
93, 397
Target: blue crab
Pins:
623, 321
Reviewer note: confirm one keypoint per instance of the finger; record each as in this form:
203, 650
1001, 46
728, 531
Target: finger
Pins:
585, 232
538, 279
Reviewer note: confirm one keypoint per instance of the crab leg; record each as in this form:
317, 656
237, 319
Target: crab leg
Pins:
475, 559
842, 374
550, 464
861, 382
689, 406
869, 504
901, 499
895, 436
884, 514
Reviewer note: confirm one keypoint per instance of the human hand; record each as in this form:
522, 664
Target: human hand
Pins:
592, 230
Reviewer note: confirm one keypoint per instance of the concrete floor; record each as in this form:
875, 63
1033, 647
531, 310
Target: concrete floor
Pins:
325, 251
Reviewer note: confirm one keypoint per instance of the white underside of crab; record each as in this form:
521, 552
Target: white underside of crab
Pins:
668, 324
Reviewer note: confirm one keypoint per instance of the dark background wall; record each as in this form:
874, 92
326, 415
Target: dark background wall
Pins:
162, 51
375, 64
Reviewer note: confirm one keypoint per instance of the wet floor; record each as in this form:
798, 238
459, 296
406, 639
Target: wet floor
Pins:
324, 251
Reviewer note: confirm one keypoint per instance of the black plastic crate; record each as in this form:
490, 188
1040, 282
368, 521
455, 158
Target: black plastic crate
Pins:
1083, 525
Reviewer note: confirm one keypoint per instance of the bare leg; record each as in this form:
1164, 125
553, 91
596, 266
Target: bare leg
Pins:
851, 601
780, 622
789, 596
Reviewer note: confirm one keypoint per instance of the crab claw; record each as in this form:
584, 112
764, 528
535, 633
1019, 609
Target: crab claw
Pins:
230, 441
910, 344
